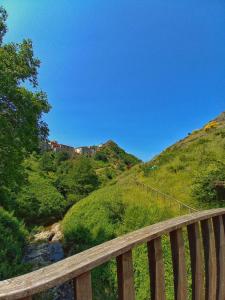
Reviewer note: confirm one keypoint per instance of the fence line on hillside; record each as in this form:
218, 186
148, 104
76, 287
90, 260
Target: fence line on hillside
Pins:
164, 196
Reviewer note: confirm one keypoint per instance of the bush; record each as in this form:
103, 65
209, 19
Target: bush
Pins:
12, 240
204, 187
61, 156
104, 215
47, 162
78, 177
39, 202
100, 155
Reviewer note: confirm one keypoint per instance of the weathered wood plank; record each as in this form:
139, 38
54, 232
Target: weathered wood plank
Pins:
179, 266
220, 256
125, 277
196, 249
156, 269
71, 267
83, 287
210, 259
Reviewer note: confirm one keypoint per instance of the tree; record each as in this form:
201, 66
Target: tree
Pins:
21, 109
39, 202
47, 162
12, 240
78, 177
210, 186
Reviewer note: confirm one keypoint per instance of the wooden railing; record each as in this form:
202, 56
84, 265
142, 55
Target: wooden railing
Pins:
206, 230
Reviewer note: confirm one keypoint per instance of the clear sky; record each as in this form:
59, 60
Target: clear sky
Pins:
141, 72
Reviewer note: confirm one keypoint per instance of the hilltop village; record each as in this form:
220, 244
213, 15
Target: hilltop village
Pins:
82, 150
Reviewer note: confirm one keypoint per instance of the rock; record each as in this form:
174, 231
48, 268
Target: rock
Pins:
42, 236
52, 234
42, 254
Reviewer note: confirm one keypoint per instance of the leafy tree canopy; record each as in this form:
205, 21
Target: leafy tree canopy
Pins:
78, 177
21, 109
12, 240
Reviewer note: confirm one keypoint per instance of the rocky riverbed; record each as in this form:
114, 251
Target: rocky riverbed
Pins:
45, 249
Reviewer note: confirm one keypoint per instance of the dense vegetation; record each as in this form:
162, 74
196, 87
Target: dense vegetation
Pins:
56, 180
37, 187
106, 214
12, 240
21, 130
20, 110
189, 170
98, 194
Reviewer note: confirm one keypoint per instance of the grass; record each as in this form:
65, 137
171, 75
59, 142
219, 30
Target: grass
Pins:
122, 207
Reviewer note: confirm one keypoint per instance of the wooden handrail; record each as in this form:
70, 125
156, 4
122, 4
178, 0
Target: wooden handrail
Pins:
78, 267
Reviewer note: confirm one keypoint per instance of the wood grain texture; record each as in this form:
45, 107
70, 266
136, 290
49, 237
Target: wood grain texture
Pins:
220, 256
179, 266
196, 249
210, 259
83, 287
125, 276
71, 267
156, 269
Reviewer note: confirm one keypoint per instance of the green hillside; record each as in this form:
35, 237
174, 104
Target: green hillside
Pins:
185, 167
111, 160
55, 181
187, 171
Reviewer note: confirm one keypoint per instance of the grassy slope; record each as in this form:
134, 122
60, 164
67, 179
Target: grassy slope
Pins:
179, 165
122, 206
111, 160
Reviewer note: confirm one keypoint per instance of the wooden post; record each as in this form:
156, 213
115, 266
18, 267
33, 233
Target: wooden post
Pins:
195, 246
210, 259
125, 276
156, 269
179, 266
83, 287
220, 256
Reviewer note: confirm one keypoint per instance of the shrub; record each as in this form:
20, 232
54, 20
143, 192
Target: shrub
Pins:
39, 202
100, 155
47, 162
78, 177
12, 240
204, 187
104, 215
61, 156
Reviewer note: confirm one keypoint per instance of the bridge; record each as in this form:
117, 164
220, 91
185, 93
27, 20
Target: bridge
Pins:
206, 236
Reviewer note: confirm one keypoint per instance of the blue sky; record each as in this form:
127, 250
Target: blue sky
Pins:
141, 72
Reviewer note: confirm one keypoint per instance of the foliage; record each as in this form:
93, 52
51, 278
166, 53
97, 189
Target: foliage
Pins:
39, 202
47, 162
182, 166
20, 109
78, 177
12, 240
61, 156
175, 171
106, 214
204, 186
111, 152
100, 155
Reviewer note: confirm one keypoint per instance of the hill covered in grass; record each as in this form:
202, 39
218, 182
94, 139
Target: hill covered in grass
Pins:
189, 171
57, 180
111, 160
